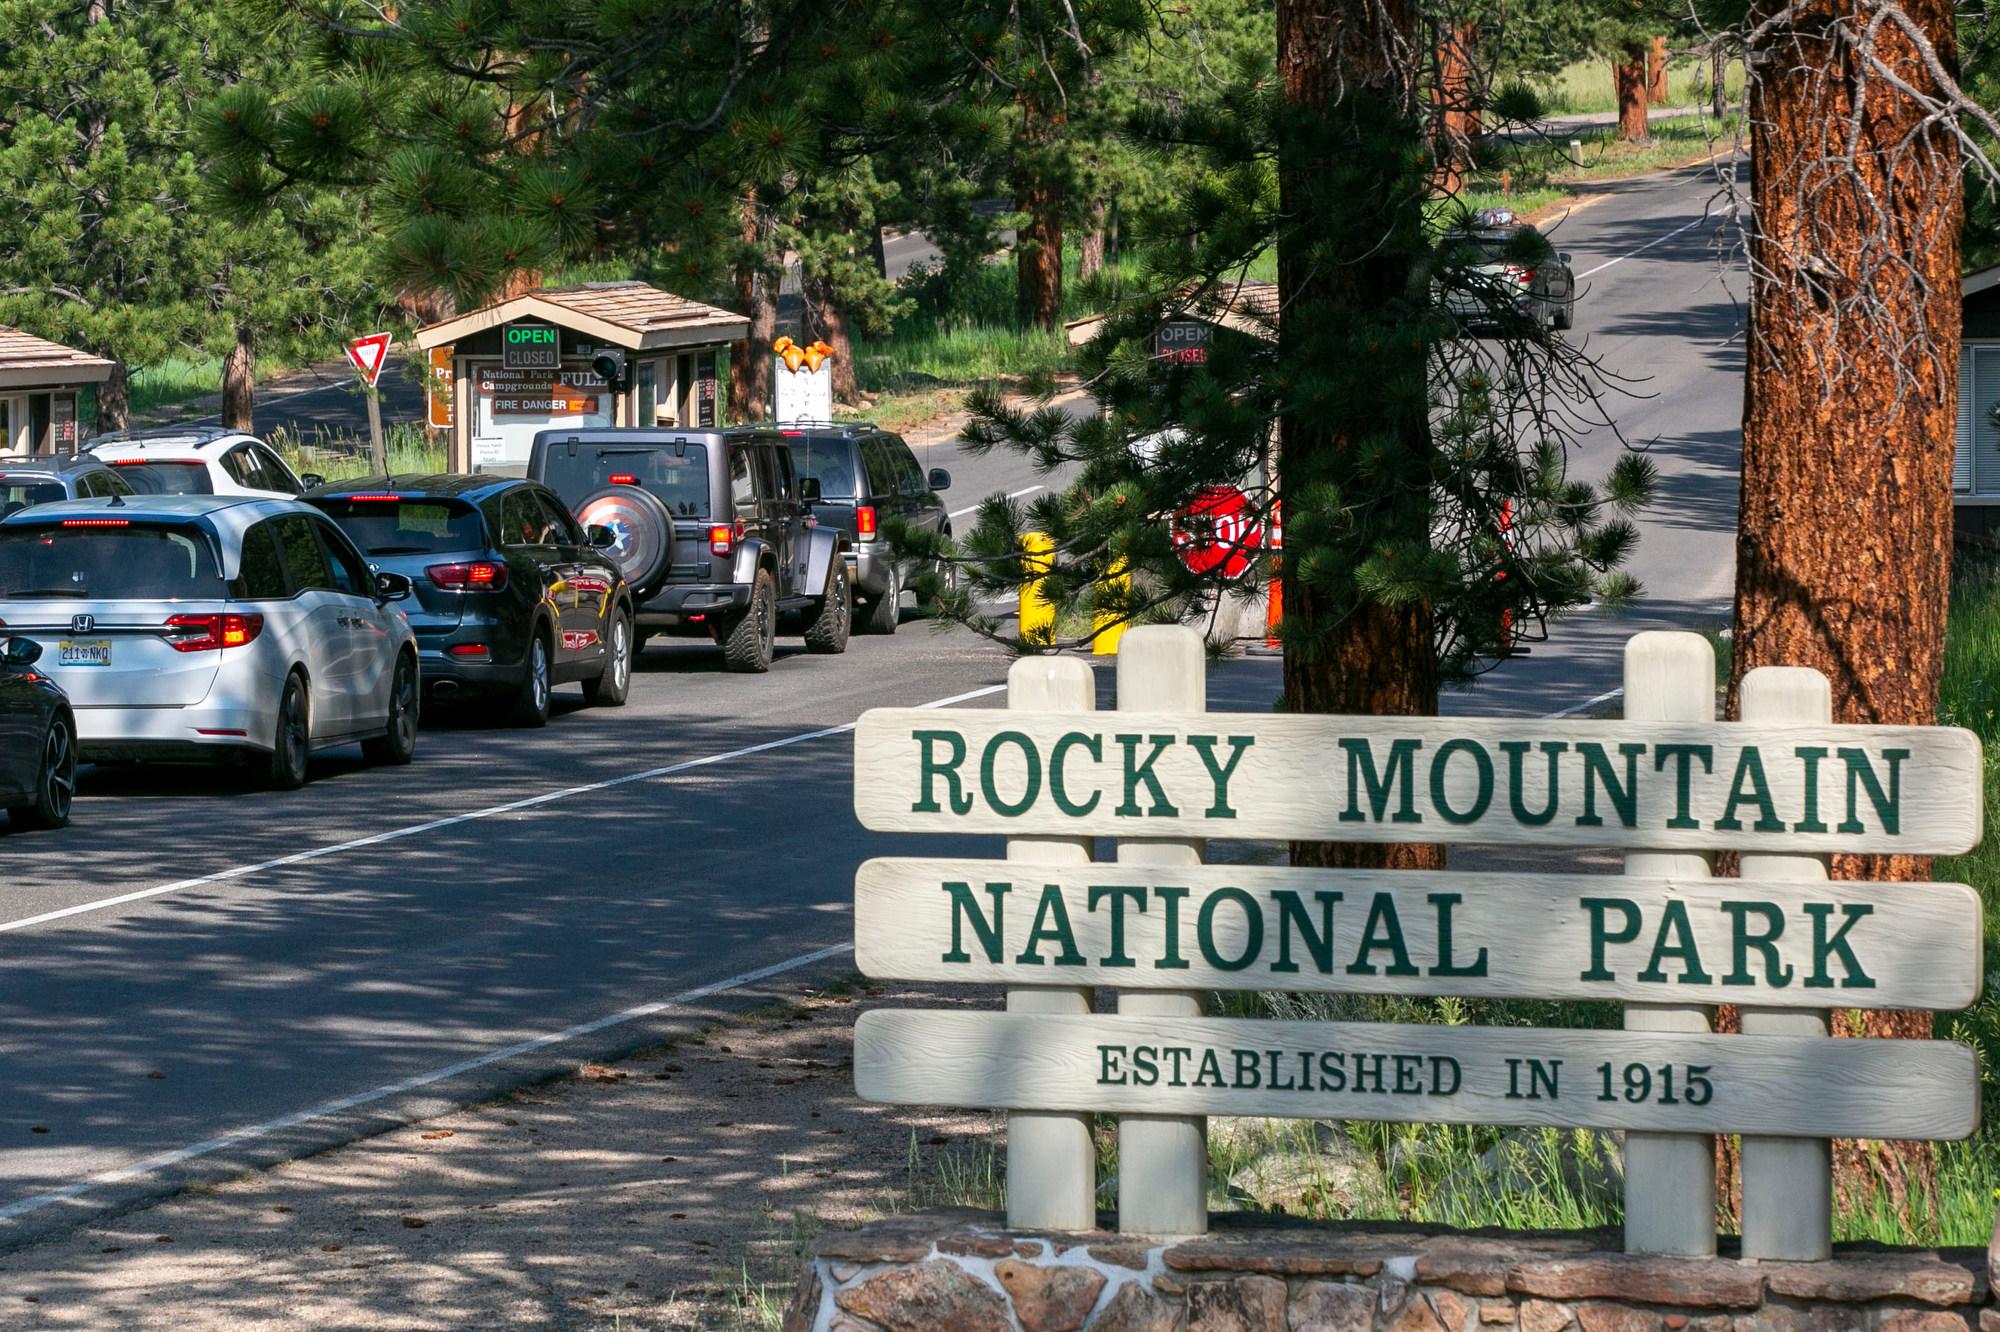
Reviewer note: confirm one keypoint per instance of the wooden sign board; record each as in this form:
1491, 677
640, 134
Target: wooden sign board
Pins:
1642, 785
1550, 936
1662, 1082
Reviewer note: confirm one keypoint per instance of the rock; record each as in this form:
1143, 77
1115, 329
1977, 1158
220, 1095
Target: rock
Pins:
1989, 1319
1993, 1256
1331, 1306
1453, 1310
1542, 1316
1240, 1304
974, 1244
1616, 1318
804, 1309
1878, 1276
1688, 1283
936, 1296
844, 1272
1416, 1316
1277, 1254
1922, 1320
1498, 1313
1135, 1309
1049, 1299
1309, 1183
1133, 1256
1472, 1267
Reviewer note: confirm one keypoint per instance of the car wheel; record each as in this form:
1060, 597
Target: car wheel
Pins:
531, 704
886, 611
834, 616
291, 747
750, 636
609, 689
397, 744
55, 782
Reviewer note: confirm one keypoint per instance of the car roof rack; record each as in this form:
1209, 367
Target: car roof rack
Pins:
808, 425
162, 435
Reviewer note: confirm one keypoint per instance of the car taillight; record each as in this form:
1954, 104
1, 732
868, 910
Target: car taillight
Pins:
375, 499
97, 522
211, 633
721, 540
624, 479
476, 576
478, 650
1520, 274
864, 521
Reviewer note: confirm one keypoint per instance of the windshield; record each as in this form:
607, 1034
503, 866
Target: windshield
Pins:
95, 559
412, 525
830, 462
675, 473
17, 493
167, 478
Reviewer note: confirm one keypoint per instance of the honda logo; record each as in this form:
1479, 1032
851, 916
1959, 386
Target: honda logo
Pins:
82, 624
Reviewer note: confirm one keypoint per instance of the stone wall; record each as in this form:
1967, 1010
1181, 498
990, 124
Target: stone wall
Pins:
964, 1272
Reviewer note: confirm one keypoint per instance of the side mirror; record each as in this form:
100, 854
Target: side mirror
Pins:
940, 479
1564, 256
600, 536
809, 489
392, 587
23, 652
312, 480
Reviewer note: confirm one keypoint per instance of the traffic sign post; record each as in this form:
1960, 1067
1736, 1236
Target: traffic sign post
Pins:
369, 354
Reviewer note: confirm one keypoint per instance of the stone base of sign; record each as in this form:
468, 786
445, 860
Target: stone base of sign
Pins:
965, 1272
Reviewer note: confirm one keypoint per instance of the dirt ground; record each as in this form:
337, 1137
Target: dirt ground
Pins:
671, 1190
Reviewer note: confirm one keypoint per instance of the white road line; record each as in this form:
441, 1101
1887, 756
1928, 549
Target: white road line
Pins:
1012, 494
1584, 706
414, 829
339, 1105
1657, 240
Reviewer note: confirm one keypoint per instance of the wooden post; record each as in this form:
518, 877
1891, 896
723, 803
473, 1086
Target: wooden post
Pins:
375, 446
1787, 1182
1162, 1159
1051, 1160
1669, 1177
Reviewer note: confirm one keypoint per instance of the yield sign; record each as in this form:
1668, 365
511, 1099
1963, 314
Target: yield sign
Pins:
369, 353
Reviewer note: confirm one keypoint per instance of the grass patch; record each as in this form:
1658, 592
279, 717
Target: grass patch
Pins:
1586, 86
175, 379
337, 455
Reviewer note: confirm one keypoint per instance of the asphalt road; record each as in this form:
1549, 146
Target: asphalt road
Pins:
199, 979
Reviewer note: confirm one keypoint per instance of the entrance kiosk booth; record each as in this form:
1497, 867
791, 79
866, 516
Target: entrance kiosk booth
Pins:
503, 372
39, 384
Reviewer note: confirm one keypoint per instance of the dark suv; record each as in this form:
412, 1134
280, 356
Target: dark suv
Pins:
511, 596
714, 533
866, 476
49, 477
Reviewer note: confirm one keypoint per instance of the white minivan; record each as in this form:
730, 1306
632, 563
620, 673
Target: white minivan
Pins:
187, 626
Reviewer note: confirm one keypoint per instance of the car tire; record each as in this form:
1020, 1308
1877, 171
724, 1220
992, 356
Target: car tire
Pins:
609, 689
647, 549
885, 612
749, 636
55, 781
291, 746
833, 614
531, 701
397, 744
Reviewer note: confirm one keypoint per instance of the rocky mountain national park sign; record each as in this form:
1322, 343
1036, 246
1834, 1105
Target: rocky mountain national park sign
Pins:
1051, 924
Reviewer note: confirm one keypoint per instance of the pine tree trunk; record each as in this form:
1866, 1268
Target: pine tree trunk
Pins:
828, 321
878, 249
757, 296
1347, 653
1090, 251
114, 399
1718, 71
1456, 114
1629, 76
1038, 257
1656, 71
1843, 552
239, 383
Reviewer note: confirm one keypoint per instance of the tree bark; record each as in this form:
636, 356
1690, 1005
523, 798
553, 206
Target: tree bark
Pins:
239, 383
1656, 71
1038, 257
114, 398
1457, 116
1629, 76
1090, 251
828, 321
1843, 552
757, 297
1345, 652
1718, 71
878, 249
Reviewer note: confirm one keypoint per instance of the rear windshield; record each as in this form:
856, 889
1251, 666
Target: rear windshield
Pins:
17, 493
93, 562
830, 462
676, 473
408, 526
167, 478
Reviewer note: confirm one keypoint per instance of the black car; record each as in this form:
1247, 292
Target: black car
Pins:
511, 596
57, 476
865, 477
715, 533
1506, 270
37, 740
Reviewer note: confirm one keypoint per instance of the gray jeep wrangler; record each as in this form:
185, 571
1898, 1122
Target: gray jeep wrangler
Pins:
714, 534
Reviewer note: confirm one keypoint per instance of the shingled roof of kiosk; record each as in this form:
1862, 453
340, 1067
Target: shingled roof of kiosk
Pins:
621, 314
1249, 307
29, 361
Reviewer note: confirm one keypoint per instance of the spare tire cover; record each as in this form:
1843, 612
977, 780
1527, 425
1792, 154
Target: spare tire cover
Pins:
642, 528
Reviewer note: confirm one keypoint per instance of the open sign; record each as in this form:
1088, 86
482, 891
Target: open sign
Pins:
530, 347
1184, 342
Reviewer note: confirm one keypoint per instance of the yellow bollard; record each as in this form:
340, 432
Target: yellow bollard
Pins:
1107, 627
1038, 617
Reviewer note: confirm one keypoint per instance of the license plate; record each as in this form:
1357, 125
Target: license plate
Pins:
94, 653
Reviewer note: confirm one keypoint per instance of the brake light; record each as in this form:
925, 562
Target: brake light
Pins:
793, 434
1520, 274
721, 540
171, 462
371, 499
864, 521
212, 633
624, 479
475, 576
97, 522
478, 650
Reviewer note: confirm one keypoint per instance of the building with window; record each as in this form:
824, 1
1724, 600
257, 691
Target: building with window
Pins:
518, 366
39, 385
